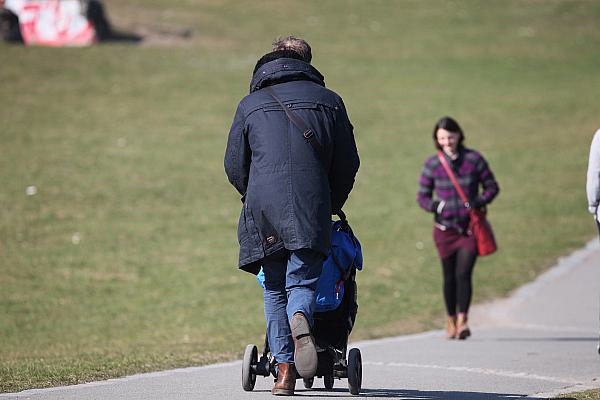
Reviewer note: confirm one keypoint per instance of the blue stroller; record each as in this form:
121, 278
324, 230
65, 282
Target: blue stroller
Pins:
334, 317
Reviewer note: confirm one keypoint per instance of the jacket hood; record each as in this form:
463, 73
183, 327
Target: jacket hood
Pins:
285, 70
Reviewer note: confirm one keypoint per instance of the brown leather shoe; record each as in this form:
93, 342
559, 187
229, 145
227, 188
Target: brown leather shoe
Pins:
451, 327
286, 380
462, 329
305, 351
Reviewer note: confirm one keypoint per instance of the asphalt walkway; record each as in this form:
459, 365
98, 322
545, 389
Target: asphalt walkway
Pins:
539, 342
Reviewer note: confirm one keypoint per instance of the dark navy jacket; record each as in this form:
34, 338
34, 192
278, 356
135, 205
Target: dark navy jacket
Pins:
288, 190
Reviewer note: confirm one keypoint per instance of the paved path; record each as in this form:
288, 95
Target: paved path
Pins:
539, 342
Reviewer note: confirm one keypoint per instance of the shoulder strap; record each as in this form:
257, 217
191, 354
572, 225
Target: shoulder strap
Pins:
461, 193
308, 134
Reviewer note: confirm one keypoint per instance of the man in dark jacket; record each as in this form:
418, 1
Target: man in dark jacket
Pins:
290, 187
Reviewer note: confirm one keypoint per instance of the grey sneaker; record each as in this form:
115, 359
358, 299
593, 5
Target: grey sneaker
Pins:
305, 352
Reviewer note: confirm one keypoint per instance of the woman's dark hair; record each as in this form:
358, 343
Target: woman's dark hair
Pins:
450, 125
274, 55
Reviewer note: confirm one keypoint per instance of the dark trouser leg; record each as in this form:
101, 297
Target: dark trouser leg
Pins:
465, 262
449, 273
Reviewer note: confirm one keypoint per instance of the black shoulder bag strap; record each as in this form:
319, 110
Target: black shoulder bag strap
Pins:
308, 134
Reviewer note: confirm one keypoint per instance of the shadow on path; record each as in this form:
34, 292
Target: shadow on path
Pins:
411, 394
550, 339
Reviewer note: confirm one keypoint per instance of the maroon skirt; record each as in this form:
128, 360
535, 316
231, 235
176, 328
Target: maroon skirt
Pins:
450, 240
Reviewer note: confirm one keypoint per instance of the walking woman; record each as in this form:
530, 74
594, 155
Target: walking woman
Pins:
454, 241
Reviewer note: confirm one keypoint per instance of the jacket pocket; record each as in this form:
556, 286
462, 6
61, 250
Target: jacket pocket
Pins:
251, 248
250, 226
292, 105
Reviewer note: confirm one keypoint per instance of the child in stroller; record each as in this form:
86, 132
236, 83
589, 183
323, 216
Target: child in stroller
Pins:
334, 317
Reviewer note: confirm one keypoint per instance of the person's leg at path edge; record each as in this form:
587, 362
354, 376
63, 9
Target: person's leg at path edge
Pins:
598, 225
303, 271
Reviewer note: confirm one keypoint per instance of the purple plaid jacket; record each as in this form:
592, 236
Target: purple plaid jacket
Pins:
471, 171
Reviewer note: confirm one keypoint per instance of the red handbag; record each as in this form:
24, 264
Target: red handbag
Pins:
480, 226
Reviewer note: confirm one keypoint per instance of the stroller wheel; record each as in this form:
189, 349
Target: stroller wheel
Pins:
354, 371
308, 383
328, 381
250, 359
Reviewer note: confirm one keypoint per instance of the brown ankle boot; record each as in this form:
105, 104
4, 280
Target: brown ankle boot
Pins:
451, 327
286, 380
462, 329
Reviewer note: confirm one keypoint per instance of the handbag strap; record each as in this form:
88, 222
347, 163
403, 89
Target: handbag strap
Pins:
308, 134
452, 177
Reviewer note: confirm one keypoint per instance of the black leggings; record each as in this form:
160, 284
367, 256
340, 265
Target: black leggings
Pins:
458, 288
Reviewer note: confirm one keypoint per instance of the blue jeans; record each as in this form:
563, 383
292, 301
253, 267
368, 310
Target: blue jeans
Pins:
290, 282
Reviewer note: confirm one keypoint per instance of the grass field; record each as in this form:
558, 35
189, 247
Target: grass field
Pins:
124, 260
587, 395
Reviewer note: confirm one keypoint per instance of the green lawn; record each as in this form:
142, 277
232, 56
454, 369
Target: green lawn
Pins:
587, 395
125, 259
